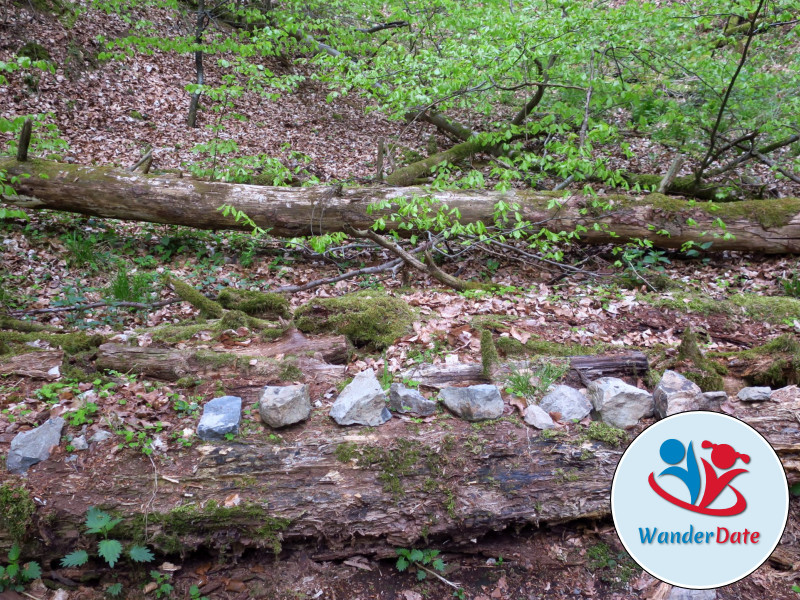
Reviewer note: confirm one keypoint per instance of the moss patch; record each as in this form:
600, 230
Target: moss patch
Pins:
257, 304
608, 434
17, 509
70, 343
208, 308
537, 346
34, 51
773, 309
489, 356
371, 319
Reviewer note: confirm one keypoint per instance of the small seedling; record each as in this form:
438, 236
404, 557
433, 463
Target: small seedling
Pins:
14, 576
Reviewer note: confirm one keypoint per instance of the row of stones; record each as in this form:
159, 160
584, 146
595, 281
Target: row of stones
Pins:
363, 402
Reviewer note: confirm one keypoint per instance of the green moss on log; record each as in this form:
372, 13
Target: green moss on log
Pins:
368, 319
257, 304
207, 307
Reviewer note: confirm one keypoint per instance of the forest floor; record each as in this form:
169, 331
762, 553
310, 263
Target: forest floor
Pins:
52, 262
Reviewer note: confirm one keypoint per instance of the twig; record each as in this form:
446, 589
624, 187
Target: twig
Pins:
439, 577
389, 266
635, 272
148, 156
56, 309
771, 163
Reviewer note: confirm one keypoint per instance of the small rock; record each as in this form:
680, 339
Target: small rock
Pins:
534, 415
754, 394
406, 400
618, 403
785, 394
677, 593
473, 403
566, 401
31, 447
713, 400
101, 435
362, 402
675, 394
79, 443
280, 406
220, 416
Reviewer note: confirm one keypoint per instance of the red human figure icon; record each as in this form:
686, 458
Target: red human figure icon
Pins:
724, 457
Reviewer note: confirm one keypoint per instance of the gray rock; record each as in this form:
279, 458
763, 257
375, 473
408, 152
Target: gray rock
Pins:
677, 593
31, 447
473, 403
280, 406
618, 403
101, 435
362, 402
534, 415
220, 416
675, 394
713, 400
566, 401
407, 400
754, 394
80, 443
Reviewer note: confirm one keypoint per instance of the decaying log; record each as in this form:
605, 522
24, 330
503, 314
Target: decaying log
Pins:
38, 365
170, 365
336, 492
592, 367
771, 226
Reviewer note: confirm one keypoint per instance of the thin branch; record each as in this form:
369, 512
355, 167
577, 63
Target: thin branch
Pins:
544, 73
383, 26
715, 131
585, 124
389, 266
76, 307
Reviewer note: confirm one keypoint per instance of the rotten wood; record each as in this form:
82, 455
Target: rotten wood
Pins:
332, 503
771, 227
592, 367
37, 365
170, 365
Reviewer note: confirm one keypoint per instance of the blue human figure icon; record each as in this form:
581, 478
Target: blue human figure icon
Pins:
672, 452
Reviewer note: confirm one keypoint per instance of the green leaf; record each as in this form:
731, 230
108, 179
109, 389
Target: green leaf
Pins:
421, 574
75, 559
416, 555
114, 589
13, 554
402, 564
438, 564
140, 554
32, 570
110, 551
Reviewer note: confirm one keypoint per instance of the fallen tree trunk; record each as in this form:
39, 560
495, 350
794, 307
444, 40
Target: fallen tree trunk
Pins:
770, 226
591, 367
336, 492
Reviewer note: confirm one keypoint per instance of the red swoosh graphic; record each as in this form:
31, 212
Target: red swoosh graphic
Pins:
737, 508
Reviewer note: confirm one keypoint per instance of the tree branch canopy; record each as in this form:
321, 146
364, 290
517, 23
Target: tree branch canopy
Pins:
771, 227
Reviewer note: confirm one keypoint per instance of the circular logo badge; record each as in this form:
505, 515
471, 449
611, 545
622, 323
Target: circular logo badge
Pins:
700, 500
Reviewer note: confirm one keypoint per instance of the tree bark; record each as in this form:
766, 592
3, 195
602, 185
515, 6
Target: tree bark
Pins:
336, 492
767, 226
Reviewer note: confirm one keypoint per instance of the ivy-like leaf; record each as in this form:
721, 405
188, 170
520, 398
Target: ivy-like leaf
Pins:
421, 574
416, 555
140, 554
438, 564
110, 551
75, 559
402, 564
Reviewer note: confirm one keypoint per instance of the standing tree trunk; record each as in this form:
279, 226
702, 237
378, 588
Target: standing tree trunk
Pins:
202, 22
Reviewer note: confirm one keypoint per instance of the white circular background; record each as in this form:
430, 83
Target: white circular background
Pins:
635, 505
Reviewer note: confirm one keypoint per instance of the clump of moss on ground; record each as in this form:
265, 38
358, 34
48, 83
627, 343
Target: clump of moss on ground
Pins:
17, 509
368, 319
773, 309
704, 372
783, 364
256, 304
489, 356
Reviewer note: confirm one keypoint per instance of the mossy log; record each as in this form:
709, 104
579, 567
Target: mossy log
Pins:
768, 226
334, 492
170, 365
